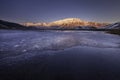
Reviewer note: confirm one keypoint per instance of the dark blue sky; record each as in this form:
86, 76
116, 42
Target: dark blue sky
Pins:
50, 10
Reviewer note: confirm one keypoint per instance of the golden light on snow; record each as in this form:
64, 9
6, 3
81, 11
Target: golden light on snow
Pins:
68, 22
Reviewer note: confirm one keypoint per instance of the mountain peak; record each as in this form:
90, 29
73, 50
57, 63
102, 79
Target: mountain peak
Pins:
67, 22
70, 20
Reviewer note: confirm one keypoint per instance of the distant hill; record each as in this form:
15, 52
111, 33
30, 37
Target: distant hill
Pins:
11, 25
113, 26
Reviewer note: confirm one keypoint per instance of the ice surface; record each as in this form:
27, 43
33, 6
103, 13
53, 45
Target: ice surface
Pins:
80, 54
20, 42
55, 40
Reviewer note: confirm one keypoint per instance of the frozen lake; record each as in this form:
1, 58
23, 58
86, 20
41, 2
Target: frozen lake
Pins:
64, 55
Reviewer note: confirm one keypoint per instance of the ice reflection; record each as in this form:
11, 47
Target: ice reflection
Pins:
56, 40
67, 39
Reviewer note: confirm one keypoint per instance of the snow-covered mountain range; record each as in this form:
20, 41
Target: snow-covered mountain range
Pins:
67, 23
